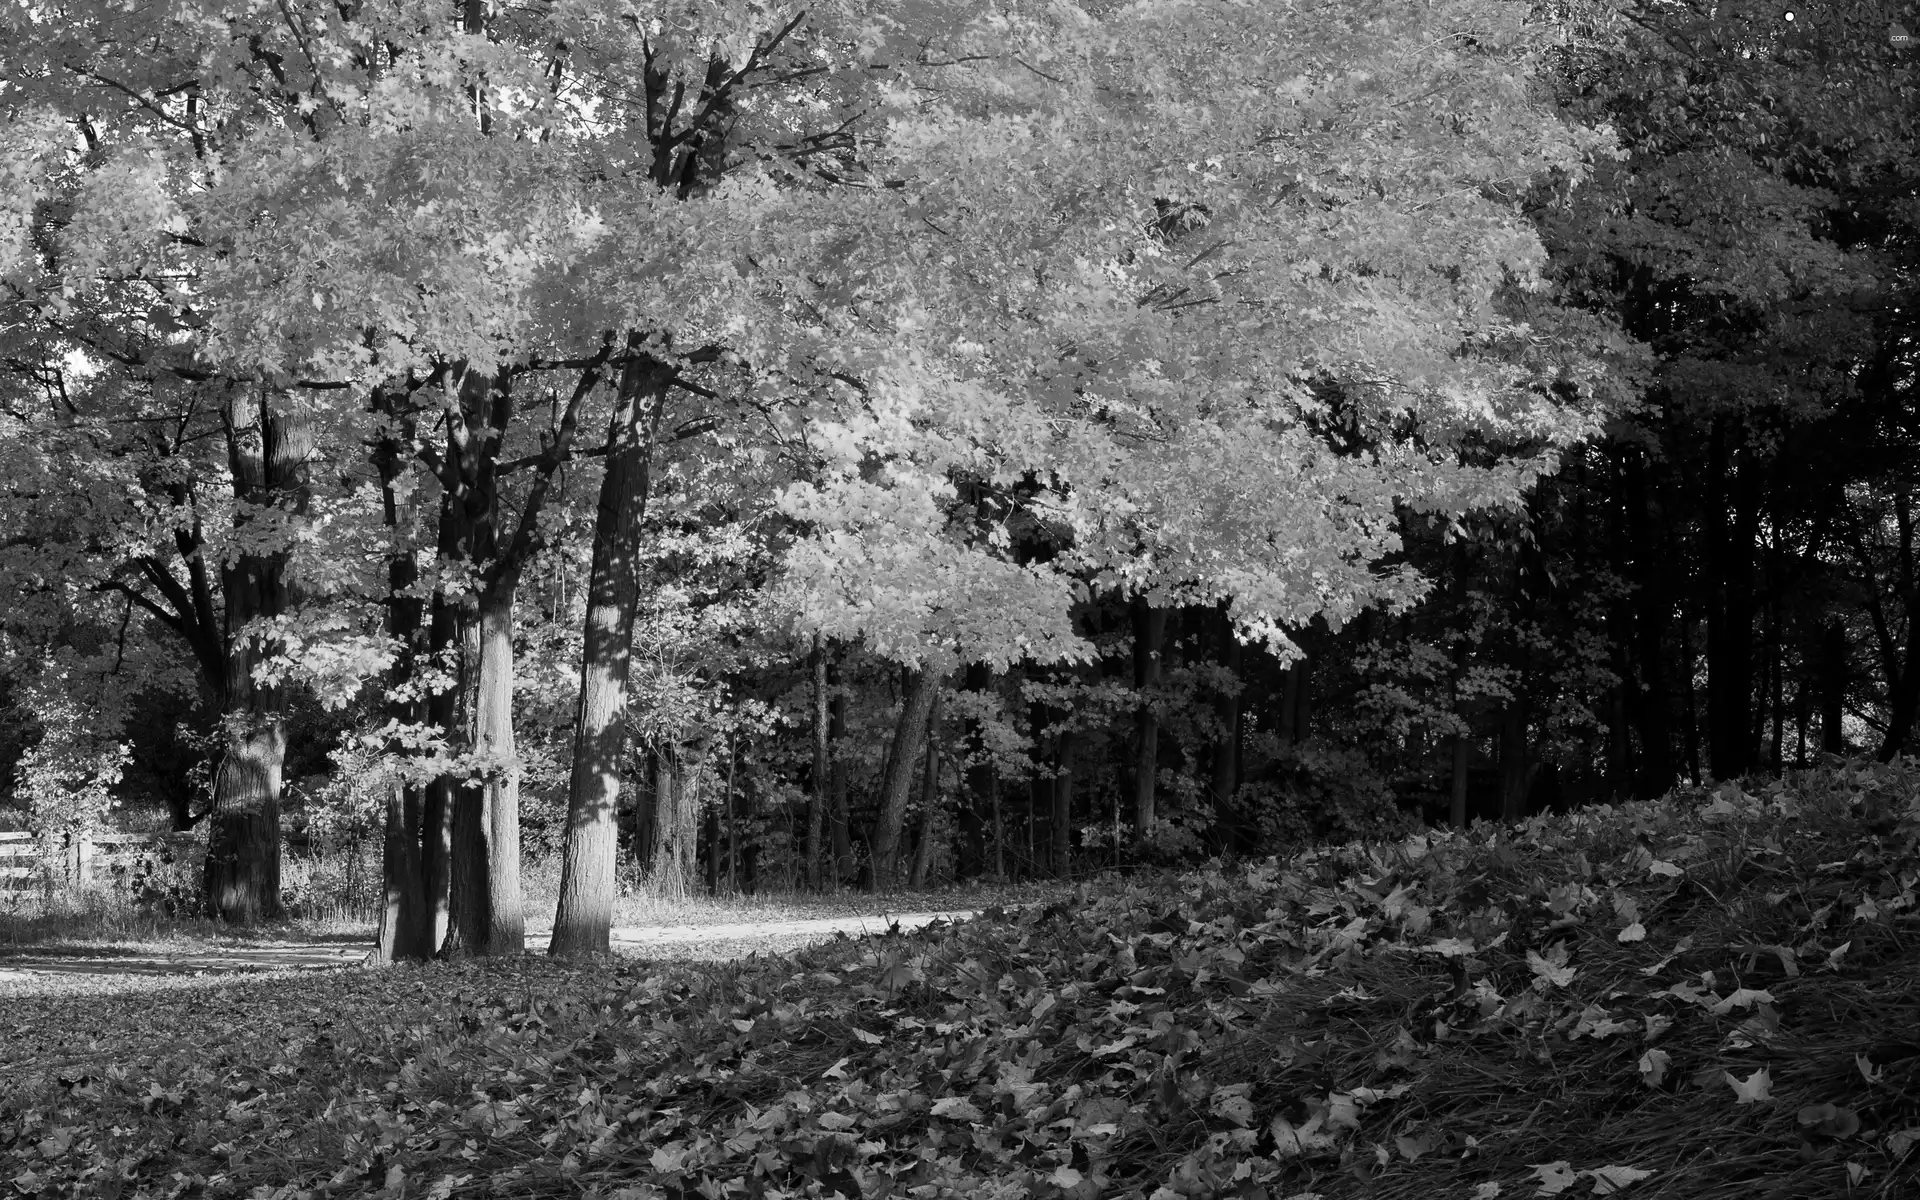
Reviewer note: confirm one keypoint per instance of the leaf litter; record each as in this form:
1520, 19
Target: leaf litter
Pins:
1451, 1015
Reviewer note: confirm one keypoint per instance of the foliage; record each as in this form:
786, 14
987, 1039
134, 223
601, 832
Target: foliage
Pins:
1587, 999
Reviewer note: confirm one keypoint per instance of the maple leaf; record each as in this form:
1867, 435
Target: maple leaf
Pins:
1554, 1177
1608, 1180
1756, 1088
1554, 973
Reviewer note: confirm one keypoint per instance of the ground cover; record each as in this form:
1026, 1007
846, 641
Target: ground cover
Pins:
1712, 996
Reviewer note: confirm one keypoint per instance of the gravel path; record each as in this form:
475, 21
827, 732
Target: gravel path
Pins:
96, 972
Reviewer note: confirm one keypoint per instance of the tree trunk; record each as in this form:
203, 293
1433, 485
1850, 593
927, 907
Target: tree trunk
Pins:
929, 802
975, 804
1653, 609
1516, 771
840, 825
821, 789
1060, 821
583, 922
677, 810
1149, 632
896, 784
406, 931
1226, 743
269, 445
1834, 675
1730, 519
1462, 755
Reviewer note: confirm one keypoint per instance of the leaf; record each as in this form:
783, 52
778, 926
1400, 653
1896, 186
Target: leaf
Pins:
1554, 1177
871, 1039
1557, 976
1065, 1177
1835, 955
1608, 1180
1663, 869
1411, 1148
957, 1108
1635, 932
1868, 1071
1901, 1141
1830, 1120
1756, 1088
1486, 1191
1741, 998
1653, 1067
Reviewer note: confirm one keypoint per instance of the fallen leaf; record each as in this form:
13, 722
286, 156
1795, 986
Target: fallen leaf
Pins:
1664, 869
1756, 1088
1554, 1177
1830, 1119
1836, 954
1558, 976
1065, 1177
1653, 1067
1741, 998
1868, 1071
1608, 1180
1411, 1148
957, 1108
871, 1039
1635, 932
1900, 1141
1866, 910
1486, 1191
1856, 1172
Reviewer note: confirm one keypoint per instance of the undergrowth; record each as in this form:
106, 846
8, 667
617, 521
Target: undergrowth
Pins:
1712, 996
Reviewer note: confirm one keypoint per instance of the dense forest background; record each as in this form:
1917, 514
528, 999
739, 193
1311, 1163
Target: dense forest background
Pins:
262, 603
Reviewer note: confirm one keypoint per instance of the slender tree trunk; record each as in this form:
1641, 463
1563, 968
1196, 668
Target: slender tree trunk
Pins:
1462, 754
1834, 676
1653, 610
1730, 521
929, 802
583, 922
976, 801
493, 714
1226, 743
840, 824
821, 785
916, 703
1516, 769
269, 447
1149, 632
1060, 821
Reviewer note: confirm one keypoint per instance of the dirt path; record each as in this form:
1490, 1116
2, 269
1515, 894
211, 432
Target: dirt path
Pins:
92, 970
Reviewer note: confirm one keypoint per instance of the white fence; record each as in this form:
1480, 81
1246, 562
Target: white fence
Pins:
80, 858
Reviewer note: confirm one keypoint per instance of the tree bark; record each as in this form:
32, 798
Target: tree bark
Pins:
1225, 781
1834, 675
1516, 767
903, 757
583, 922
821, 788
840, 824
1060, 822
269, 446
1653, 611
929, 802
1730, 519
406, 931
976, 802
1149, 632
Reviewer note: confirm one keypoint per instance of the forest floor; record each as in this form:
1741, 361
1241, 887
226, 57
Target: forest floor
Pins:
1713, 996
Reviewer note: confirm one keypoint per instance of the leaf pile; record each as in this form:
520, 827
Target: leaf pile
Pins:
1712, 996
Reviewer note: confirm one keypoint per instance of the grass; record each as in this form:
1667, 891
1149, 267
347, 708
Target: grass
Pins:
1712, 997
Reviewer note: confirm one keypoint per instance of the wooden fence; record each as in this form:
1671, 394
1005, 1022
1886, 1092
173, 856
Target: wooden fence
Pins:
80, 859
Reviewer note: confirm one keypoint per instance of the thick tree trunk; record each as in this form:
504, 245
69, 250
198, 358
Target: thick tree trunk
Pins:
903, 758
406, 930
583, 923
970, 849
926, 826
493, 719
243, 856
269, 446
1149, 632
676, 821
